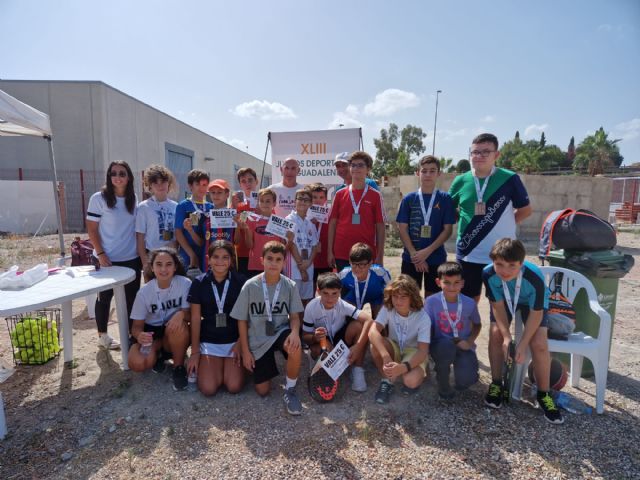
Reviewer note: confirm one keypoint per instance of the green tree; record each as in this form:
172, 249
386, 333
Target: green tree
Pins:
446, 164
543, 140
552, 158
463, 166
597, 152
391, 143
571, 153
509, 151
527, 161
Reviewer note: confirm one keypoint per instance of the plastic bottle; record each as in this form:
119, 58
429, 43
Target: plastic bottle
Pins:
571, 404
192, 380
146, 348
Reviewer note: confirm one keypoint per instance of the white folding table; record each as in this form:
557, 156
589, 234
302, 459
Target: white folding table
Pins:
60, 289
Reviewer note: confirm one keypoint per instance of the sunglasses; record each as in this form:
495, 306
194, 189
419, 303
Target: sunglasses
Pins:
120, 174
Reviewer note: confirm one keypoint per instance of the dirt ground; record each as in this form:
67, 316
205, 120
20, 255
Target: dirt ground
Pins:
91, 419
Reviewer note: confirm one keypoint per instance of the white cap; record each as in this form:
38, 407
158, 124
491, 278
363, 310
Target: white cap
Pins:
342, 157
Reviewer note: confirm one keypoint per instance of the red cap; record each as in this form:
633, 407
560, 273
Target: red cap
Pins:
218, 182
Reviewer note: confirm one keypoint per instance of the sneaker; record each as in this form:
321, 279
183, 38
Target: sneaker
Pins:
159, 366
551, 412
384, 392
107, 342
179, 378
408, 390
292, 402
444, 387
358, 382
494, 395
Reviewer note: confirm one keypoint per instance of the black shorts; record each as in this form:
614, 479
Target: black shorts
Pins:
426, 278
158, 331
524, 314
266, 368
472, 275
243, 265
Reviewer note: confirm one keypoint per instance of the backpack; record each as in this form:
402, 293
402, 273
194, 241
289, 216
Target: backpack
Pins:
81, 253
575, 230
561, 314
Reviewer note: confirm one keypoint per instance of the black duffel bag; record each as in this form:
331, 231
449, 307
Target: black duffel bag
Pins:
580, 230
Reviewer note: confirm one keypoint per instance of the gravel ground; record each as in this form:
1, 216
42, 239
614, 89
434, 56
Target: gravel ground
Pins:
95, 421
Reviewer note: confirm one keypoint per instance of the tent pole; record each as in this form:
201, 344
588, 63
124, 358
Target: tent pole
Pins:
264, 161
57, 198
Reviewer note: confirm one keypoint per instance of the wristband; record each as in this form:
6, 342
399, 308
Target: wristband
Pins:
101, 253
408, 365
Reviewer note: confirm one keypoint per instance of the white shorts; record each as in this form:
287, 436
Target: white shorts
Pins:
305, 289
217, 349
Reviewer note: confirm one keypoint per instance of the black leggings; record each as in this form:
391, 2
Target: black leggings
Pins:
103, 303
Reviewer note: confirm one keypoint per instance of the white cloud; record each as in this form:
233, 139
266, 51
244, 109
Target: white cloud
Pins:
488, 119
347, 118
264, 110
391, 101
449, 135
234, 142
628, 130
533, 129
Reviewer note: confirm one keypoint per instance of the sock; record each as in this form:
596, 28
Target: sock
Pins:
541, 393
291, 383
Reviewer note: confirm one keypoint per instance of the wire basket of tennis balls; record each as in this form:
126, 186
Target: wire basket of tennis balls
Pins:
35, 336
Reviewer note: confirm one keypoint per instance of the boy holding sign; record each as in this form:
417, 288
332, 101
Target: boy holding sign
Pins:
319, 199
425, 221
303, 248
268, 313
328, 316
255, 233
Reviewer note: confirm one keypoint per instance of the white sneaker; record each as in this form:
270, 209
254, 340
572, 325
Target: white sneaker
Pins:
358, 382
106, 342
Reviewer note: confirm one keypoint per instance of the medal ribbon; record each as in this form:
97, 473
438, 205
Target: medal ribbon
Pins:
516, 295
360, 300
480, 191
427, 213
401, 333
265, 294
445, 308
220, 301
356, 208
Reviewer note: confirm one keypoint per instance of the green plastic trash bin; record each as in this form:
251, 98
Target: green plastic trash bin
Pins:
603, 268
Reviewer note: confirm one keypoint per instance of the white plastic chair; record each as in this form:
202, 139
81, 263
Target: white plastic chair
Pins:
579, 345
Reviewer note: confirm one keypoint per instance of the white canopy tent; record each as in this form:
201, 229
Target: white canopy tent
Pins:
18, 119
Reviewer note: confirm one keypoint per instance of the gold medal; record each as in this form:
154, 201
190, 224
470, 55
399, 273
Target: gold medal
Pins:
425, 231
480, 208
194, 217
167, 235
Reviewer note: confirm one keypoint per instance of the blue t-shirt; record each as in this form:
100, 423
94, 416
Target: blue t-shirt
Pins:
369, 181
184, 208
440, 326
379, 279
534, 293
410, 212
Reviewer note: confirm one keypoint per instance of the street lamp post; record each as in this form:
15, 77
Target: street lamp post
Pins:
435, 124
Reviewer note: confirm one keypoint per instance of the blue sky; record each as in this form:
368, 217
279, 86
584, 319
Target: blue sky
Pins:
238, 70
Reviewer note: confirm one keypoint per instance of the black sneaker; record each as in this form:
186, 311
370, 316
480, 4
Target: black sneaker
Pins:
384, 392
158, 367
551, 412
179, 378
494, 395
406, 391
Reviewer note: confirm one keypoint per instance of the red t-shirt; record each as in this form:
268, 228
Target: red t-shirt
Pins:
241, 247
320, 260
371, 212
257, 224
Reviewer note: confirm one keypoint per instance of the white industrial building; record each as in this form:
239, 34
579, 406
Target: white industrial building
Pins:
94, 124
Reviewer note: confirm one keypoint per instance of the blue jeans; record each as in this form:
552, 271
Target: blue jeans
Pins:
465, 363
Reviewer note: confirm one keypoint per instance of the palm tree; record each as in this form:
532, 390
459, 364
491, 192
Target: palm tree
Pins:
597, 152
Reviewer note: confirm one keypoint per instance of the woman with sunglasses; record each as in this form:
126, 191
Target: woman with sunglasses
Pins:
111, 219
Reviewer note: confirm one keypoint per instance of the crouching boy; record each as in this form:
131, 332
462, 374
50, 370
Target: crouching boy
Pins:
513, 285
331, 317
267, 311
404, 354
456, 325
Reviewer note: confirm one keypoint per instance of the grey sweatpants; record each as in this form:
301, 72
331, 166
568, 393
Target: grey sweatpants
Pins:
465, 363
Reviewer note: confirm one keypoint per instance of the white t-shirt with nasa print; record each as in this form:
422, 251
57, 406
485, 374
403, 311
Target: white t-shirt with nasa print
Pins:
156, 306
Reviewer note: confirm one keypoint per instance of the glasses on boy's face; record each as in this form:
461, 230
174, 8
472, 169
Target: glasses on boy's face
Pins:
120, 174
358, 165
303, 200
360, 265
481, 153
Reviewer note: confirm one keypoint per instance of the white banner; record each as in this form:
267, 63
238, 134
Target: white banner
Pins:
315, 152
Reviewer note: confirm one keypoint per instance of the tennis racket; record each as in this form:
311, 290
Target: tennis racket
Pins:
322, 387
508, 372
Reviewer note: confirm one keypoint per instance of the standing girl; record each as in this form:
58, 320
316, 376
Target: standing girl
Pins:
404, 353
161, 316
215, 353
111, 227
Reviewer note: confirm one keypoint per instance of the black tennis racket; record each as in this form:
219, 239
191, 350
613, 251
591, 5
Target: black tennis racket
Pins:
322, 387
508, 369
